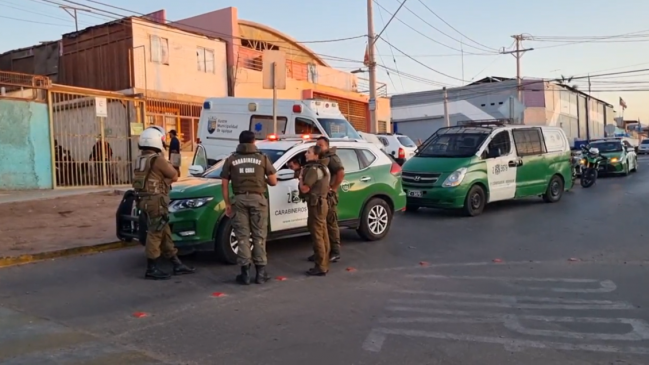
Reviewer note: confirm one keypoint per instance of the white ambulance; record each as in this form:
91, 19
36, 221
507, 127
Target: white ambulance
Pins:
223, 119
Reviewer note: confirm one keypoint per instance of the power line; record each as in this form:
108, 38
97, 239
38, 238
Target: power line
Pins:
32, 12
460, 33
394, 60
33, 21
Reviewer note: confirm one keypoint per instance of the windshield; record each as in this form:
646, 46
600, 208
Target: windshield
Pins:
338, 128
406, 141
214, 172
604, 147
452, 145
645, 141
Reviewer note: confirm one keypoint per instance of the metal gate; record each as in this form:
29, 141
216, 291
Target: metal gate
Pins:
356, 112
89, 150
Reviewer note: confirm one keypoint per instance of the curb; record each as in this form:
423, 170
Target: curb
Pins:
73, 251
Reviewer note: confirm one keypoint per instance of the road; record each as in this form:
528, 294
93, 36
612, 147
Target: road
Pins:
441, 289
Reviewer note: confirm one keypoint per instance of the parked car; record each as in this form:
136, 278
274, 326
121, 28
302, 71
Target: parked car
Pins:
399, 146
373, 139
643, 148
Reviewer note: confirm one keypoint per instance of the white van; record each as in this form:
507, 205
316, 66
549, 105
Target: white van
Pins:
223, 119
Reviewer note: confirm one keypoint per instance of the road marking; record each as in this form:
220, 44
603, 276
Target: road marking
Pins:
619, 306
376, 339
513, 298
606, 286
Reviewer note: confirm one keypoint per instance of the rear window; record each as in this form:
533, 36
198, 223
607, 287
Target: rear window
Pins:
406, 141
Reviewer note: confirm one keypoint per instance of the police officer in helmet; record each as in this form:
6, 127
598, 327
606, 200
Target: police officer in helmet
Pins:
152, 178
314, 186
250, 171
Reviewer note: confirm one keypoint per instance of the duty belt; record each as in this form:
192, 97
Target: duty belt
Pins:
248, 193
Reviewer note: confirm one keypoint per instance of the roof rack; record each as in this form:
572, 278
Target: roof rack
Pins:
307, 138
490, 123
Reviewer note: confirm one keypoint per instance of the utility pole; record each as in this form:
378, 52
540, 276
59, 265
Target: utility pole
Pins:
447, 118
72, 11
518, 54
588, 110
371, 66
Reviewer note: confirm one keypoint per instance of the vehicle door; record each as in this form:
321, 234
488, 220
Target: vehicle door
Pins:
356, 185
199, 162
532, 167
286, 209
502, 163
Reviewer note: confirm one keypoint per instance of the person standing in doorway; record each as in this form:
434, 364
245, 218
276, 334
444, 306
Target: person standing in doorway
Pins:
337, 175
314, 186
174, 150
152, 179
250, 171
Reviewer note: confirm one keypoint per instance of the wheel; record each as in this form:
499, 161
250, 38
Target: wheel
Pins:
475, 201
375, 220
225, 243
555, 190
411, 208
588, 178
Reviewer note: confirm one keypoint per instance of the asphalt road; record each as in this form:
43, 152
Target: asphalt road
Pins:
430, 293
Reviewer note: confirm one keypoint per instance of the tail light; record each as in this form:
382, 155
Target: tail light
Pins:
402, 153
395, 169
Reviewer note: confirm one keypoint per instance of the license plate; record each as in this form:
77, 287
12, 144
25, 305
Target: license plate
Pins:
414, 193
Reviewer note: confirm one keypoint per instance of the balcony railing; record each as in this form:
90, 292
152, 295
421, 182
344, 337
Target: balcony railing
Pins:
252, 59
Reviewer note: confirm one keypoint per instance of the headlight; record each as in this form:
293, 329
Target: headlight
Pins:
582, 161
614, 160
183, 204
455, 178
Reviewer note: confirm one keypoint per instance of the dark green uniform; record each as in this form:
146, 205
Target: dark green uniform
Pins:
315, 175
247, 169
335, 165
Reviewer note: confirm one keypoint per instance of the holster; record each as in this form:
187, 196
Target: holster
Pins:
332, 198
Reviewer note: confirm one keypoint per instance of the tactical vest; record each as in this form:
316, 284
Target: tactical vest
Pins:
321, 188
248, 172
147, 181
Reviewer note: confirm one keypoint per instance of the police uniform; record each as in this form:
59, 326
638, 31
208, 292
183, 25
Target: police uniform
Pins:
247, 169
334, 165
316, 176
152, 178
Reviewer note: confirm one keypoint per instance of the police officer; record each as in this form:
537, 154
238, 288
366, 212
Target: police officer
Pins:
314, 185
152, 178
250, 171
337, 175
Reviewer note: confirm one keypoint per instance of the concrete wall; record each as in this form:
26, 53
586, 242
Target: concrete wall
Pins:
25, 151
181, 76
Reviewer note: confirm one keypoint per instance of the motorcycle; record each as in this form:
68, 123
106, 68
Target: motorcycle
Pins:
590, 165
576, 158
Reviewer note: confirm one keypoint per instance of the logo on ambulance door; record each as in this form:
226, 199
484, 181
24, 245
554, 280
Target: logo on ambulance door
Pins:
211, 124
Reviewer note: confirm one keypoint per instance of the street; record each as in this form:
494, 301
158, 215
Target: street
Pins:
525, 283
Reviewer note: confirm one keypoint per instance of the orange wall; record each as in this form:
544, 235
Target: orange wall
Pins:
248, 84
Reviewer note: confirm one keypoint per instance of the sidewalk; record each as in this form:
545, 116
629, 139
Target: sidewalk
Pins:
54, 223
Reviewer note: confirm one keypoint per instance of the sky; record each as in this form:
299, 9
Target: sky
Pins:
428, 43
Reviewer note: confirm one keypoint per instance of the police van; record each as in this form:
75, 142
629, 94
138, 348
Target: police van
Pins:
467, 167
369, 196
223, 119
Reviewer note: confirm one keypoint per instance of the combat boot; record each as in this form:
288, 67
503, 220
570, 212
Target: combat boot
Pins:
153, 273
262, 275
180, 268
244, 277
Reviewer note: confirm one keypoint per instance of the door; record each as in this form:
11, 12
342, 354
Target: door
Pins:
286, 209
531, 174
502, 163
355, 187
200, 157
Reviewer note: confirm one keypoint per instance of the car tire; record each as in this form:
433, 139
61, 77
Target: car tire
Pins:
222, 247
554, 192
475, 201
376, 220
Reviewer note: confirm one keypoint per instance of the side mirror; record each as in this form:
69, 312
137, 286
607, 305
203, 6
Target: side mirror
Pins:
285, 175
196, 170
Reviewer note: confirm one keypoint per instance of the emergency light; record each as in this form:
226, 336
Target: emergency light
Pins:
306, 136
272, 137
207, 105
297, 108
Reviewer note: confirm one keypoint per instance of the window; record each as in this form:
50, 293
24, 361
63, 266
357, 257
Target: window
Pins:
205, 59
349, 158
200, 158
159, 50
500, 142
367, 158
528, 141
262, 125
406, 141
305, 126
383, 126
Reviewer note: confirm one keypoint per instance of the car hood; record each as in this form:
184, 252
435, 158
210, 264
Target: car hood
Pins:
195, 187
617, 154
436, 164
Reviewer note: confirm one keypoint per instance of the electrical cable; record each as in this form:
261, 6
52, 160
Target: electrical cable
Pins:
393, 58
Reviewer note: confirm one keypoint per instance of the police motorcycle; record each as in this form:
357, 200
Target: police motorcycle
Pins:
576, 158
589, 165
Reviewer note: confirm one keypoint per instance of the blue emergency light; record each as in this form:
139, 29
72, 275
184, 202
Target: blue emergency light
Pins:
207, 105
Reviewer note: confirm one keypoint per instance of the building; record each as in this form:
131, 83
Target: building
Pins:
309, 76
42, 59
495, 98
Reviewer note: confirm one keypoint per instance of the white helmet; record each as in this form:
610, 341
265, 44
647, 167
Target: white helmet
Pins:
593, 150
153, 137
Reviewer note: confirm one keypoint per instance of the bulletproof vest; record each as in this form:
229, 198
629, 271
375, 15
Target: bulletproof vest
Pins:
321, 187
146, 180
248, 172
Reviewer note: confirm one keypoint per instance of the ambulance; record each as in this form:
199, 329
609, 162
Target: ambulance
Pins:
223, 119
